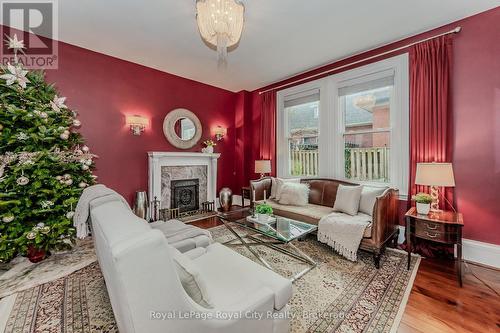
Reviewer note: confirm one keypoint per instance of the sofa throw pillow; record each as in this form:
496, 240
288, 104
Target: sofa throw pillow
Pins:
279, 184
347, 199
369, 195
294, 194
191, 281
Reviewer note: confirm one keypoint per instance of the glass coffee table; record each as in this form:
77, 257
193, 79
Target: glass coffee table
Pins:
275, 235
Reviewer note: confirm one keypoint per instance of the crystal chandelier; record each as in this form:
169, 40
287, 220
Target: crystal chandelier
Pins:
220, 23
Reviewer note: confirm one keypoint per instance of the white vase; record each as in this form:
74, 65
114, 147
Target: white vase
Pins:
423, 208
262, 218
209, 149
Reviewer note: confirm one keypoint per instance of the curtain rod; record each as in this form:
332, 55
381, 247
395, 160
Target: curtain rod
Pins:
326, 72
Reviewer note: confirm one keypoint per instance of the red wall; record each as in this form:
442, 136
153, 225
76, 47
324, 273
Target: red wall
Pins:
476, 124
103, 89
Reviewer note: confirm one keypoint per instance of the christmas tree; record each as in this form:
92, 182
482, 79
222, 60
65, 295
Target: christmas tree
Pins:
44, 165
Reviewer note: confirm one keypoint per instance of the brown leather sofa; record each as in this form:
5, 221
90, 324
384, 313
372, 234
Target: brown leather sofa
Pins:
323, 192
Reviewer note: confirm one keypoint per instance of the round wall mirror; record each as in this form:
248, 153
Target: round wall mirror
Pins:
182, 128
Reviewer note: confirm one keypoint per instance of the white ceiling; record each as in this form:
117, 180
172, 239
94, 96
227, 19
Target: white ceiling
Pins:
280, 37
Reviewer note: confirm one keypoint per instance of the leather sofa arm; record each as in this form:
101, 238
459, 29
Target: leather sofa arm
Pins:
259, 186
385, 216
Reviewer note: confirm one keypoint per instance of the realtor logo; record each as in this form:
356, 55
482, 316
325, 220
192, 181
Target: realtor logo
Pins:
35, 23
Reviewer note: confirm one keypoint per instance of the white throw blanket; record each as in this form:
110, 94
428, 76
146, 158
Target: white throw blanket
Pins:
82, 211
343, 232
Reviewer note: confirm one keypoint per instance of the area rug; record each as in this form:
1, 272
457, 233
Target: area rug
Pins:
336, 296
24, 274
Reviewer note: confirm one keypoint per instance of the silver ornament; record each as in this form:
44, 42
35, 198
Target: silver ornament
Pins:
22, 180
76, 122
8, 218
88, 162
82, 185
70, 215
68, 181
85, 167
64, 136
85, 149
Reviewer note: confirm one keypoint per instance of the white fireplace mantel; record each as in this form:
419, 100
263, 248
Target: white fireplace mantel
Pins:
157, 160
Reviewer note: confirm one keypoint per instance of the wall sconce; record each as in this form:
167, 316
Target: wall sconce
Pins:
220, 132
137, 124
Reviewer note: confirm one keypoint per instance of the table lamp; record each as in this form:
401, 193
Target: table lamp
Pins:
262, 167
435, 175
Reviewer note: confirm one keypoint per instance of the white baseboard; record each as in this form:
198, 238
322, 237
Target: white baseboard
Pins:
472, 250
480, 252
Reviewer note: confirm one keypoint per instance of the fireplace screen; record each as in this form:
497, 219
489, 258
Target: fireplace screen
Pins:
185, 195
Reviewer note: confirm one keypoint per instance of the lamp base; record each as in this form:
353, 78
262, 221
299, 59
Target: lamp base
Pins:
435, 199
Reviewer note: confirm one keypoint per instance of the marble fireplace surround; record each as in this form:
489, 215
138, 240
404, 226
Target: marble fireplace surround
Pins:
181, 165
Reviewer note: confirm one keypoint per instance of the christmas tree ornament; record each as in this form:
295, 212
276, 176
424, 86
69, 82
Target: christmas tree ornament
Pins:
64, 136
46, 204
45, 230
85, 167
43, 115
77, 123
82, 185
15, 74
68, 182
70, 215
85, 149
58, 103
22, 181
31, 235
8, 218
59, 177
22, 136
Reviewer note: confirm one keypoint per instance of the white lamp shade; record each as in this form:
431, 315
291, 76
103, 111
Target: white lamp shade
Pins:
435, 174
262, 166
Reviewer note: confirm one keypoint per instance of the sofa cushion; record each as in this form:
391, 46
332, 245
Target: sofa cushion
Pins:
112, 217
294, 194
239, 277
192, 280
369, 195
314, 211
279, 184
347, 200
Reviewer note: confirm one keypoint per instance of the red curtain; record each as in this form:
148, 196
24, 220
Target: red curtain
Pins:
268, 129
430, 114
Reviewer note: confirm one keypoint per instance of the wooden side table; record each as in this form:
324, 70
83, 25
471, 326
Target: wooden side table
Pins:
245, 194
444, 227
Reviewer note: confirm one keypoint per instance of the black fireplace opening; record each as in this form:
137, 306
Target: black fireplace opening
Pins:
185, 195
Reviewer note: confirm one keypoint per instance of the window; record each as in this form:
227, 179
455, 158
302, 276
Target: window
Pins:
301, 113
350, 126
365, 109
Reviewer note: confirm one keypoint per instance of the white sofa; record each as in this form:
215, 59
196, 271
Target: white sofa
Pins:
142, 281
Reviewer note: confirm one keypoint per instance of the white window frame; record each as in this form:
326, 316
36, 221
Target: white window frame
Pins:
331, 128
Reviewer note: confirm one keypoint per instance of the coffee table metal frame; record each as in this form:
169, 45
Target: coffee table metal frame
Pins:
273, 243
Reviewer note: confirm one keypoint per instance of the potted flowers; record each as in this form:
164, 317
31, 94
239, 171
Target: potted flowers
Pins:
423, 201
263, 212
209, 146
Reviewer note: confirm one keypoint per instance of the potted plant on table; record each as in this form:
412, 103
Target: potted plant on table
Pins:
423, 201
263, 211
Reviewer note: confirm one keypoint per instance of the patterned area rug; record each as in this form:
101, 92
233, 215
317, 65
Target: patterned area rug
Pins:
336, 296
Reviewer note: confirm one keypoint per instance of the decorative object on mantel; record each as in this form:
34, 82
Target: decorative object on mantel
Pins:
209, 147
141, 205
154, 214
220, 133
423, 203
182, 128
225, 198
220, 23
262, 167
435, 175
137, 124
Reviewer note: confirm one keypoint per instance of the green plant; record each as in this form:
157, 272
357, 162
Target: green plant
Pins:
264, 209
422, 198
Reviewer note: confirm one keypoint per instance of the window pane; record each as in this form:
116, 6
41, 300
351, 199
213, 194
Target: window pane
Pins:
367, 156
303, 132
367, 110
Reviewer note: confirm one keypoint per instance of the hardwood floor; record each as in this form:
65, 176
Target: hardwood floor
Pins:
438, 304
